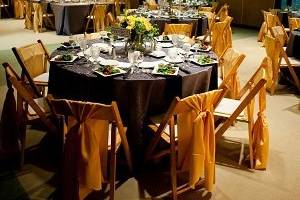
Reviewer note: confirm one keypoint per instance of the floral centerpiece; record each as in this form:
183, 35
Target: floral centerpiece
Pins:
140, 29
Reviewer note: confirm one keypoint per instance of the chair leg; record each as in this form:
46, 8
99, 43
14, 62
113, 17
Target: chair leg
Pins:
112, 163
173, 160
241, 153
23, 144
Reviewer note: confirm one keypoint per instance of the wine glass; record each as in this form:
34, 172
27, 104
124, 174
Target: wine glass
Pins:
131, 59
94, 50
186, 47
175, 40
139, 58
82, 44
72, 40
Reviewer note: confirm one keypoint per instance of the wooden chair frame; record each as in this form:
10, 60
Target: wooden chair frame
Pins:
187, 29
284, 56
26, 96
176, 107
252, 90
25, 76
91, 17
111, 114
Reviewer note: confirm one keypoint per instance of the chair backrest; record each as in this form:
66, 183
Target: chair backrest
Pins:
183, 29
33, 60
223, 12
205, 9
294, 23
272, 20
221, 36
27, 96
279, 33
273, 50
86, 144
230, 62
255, 84
98, 12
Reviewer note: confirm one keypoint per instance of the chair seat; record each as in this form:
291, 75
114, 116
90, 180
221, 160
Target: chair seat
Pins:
227, 106
294, 62
43, 104
42, 78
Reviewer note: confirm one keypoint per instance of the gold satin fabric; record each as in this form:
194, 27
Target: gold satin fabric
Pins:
294, 23
263, 30
279, 33
221, 36
273, 51
196, 138
227, 62
260, 129
86, 145
184, 29
18, 9
99, 17
34, 58
37, 17
28, 15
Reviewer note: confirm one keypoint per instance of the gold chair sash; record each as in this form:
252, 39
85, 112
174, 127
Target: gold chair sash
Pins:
196, 139
86, 147
99, 17
294, 23
37, 17
260, 130
221, 36
18, 9
28, 15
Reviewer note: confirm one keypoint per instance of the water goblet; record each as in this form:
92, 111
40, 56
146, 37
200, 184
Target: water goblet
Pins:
131, 59
139, 59
94, 51
186, 47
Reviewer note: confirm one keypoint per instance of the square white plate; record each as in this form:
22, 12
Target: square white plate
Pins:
158, 54
201, 50
63, 61
155, 71
178, 59
108, 75
195, 60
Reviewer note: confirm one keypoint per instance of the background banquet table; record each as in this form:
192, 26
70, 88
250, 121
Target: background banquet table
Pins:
293, 47
137, 96
200, 25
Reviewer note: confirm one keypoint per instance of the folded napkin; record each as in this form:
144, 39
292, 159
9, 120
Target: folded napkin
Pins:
151, 64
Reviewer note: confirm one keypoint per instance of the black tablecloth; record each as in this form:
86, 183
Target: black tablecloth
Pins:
293, 47
139, 95
200, 25
70, 18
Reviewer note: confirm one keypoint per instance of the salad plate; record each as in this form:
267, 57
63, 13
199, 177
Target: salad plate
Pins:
109, 70
65, 58
177, 59
158, 54
163, 38
201, 47
166, 69
203, 60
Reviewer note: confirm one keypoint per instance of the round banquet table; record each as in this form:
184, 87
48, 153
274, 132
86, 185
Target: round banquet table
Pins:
200, 25
139, 95
293, 47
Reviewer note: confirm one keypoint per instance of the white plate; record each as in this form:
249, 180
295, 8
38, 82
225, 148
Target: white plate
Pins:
178, 59
195, 60
160, 39
147, 65
195, 47
165, 45
63, 61
105, 75
154, 71
109, 62
158, 54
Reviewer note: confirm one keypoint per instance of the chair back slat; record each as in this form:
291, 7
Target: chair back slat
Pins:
184, 29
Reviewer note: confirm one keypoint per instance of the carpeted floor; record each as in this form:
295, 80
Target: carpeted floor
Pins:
279, 182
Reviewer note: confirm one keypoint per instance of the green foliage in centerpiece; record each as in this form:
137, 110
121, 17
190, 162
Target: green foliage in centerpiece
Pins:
140, 28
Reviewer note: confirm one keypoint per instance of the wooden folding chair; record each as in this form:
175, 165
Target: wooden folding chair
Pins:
18, 9
41, 16
294, 23
34, 59
97, 15
30, 106
110, 19
91, 130
221, 37
231, 110
183, 29
180, 128
280, 33
275, 51
5, 7
264, 28
230, 61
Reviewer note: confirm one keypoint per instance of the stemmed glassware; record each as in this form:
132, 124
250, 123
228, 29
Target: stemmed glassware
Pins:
131, 59
94, 51
186, 47
139, 58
